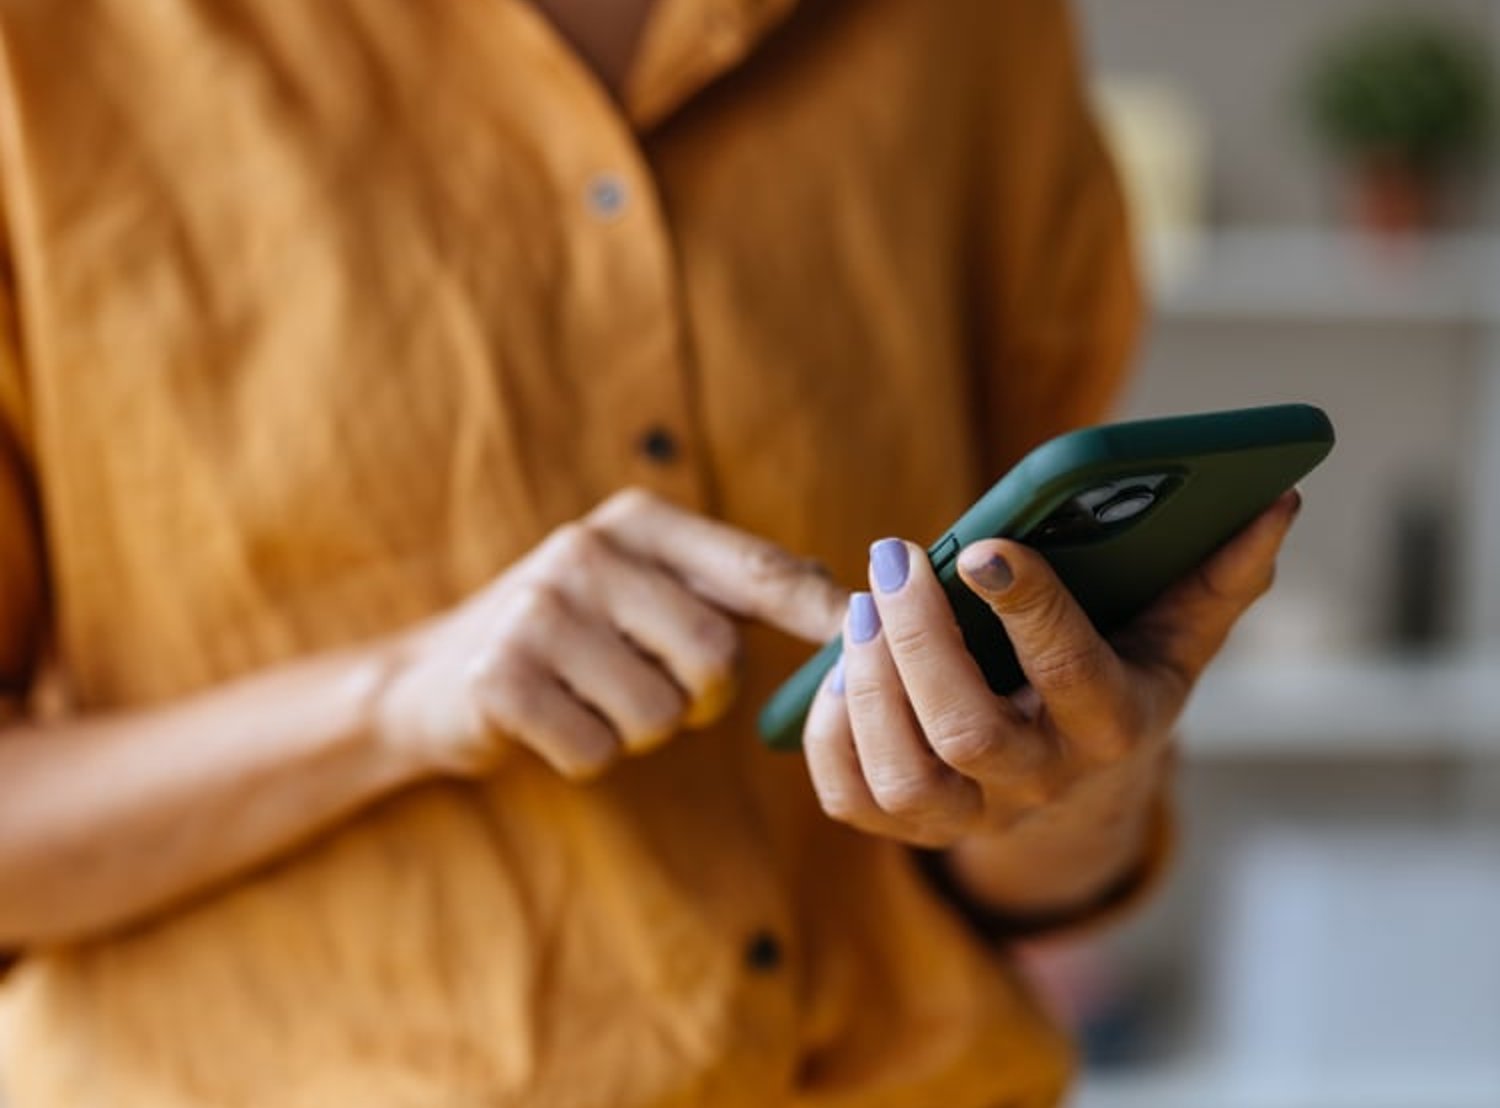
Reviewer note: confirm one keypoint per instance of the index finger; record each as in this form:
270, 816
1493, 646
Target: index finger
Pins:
736, 571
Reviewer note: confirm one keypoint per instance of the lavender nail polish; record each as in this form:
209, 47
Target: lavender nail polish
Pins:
836, 682
864, 619
891, 562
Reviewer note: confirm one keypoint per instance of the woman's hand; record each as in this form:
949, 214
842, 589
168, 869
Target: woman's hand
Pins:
613, 635
908, 742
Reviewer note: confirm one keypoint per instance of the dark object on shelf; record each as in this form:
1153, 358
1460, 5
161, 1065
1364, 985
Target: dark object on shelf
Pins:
1405, 102
1420, 577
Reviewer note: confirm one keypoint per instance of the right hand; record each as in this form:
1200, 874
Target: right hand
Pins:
612, 636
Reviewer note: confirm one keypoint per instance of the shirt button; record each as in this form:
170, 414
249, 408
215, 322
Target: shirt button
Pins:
763, 953
659, 445
607, 195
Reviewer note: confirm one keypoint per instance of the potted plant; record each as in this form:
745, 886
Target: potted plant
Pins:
1404, 101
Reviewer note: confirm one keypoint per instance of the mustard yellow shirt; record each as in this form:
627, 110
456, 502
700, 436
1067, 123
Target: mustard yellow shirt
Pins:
317, 315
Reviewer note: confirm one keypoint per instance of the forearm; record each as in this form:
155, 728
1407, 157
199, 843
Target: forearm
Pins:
108, 820
1069, 856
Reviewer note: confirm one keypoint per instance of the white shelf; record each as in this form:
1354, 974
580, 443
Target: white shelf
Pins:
1207, 1089
1311, 276
1347, 708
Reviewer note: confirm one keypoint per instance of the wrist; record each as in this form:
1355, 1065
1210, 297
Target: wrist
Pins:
421, 713
1068, 856
389, 710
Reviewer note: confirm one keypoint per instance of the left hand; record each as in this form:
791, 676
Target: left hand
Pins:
908, 742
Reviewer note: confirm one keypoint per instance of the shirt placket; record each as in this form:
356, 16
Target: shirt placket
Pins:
623, 335
618, 311
623, 327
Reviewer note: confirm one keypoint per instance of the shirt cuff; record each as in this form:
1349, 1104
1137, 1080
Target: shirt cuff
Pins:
1121, 899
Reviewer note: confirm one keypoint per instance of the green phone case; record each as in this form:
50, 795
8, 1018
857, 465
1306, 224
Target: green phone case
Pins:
1214, 473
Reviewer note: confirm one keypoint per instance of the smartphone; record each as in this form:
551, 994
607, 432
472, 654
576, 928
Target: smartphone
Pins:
1120, 512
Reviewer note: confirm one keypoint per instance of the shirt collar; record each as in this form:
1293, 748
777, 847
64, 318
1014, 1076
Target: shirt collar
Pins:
688, 43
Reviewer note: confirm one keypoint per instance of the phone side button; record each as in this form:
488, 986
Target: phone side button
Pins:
944, 551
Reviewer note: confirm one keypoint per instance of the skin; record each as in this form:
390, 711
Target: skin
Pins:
1041, 799
615, 634
605, 33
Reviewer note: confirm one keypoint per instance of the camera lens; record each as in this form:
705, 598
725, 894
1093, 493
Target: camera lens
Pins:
1125, 505
1070, 523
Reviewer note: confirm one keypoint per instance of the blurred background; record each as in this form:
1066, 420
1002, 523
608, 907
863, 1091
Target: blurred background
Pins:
1315, 185
1314, 178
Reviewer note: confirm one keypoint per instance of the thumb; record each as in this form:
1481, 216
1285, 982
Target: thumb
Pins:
1077, 674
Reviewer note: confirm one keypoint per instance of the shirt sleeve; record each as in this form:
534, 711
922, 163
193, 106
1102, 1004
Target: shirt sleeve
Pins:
1115, 903
22, 589
22, 577
1057, 293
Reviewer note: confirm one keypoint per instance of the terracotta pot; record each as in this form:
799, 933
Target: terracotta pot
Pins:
1395, 199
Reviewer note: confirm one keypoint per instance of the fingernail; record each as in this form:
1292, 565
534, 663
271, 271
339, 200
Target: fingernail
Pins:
864, 619
891, 563
1297, 504
993, 574
836, 682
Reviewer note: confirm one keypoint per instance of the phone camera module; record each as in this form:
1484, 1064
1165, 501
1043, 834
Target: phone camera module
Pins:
1071, 523
1125, 505
1103, 510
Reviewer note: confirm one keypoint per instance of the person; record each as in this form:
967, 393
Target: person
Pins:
414, 421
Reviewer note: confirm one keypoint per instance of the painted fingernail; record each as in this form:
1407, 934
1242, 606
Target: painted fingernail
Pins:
864, 619
836, 682
891, 562
993, 574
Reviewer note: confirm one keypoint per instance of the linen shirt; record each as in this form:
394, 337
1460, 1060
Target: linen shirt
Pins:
316, 316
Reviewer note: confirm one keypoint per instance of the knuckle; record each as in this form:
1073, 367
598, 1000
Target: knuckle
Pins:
1065, 669
629, 503
1053, 606
934, 838
1028, 797
509, 696
963, 744
582, 759
485, 669
843, 805
905, 792
1211, 586
716, 641
866, 699
574, 546
909, 638
659, 708
1265, 584
538, 608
